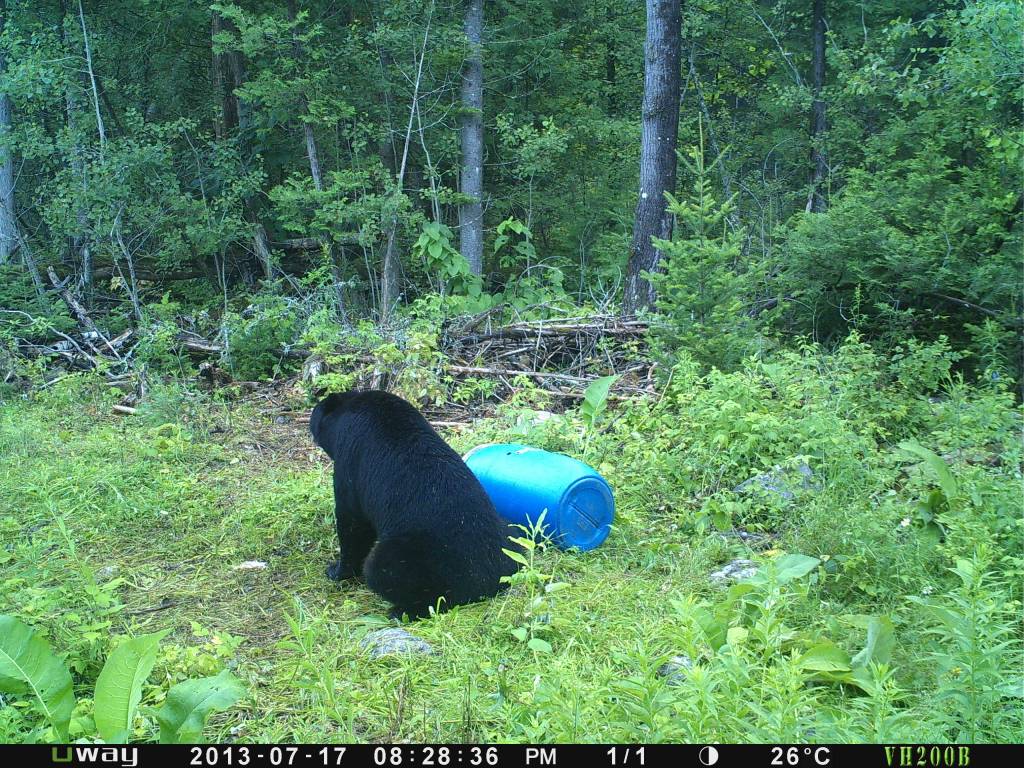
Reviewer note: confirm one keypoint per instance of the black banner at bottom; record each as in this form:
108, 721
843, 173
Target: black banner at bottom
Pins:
500, 755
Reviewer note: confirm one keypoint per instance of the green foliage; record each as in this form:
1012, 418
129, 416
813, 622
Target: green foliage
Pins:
440, 258
837, 384
259, 334
595, 400
27, 665
534, 284
702, 287
188, 704
538, 620
975, 653
119, 686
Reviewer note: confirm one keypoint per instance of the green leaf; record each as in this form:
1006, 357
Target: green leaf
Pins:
935, 463
881, 639
520, 634
596, 397
119, 686
188, 704
538, 645
825, 656
790, 567
28, 664
515, 556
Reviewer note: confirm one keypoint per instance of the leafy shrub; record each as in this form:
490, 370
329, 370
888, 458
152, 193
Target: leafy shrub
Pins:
258, 335
28, 666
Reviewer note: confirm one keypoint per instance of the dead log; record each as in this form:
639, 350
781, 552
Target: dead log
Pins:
477, 370
72, 303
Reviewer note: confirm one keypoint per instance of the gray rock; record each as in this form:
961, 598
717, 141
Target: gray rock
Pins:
386, 642
107, 572
675, 669
784, 482
752, 540
737, 570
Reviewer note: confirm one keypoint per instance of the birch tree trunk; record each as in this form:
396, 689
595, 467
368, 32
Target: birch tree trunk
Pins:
817, 202
471, 214
660, 125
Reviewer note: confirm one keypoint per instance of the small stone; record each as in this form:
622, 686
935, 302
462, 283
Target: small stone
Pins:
539, 417
675, 669
753, 540
737, 570
782, 482
281, 420
250, 565
107, 572
386, 642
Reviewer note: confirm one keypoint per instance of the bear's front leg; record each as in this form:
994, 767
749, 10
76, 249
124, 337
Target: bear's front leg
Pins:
339, 571
355, 537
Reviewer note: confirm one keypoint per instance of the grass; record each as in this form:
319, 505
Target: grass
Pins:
114, 525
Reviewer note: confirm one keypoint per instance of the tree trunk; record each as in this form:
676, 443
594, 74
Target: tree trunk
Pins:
660, 125
226, 78
8, 221
10, 238
100, 129
80, 244
389, 277
817, 202
471, 214
313, 154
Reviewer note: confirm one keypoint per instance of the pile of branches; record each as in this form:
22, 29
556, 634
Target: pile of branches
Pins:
87, 347
563, 355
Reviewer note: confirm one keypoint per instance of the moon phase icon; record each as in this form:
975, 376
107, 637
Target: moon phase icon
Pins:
708, 755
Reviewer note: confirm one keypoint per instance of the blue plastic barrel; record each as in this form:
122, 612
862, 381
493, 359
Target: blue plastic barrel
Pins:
523, 482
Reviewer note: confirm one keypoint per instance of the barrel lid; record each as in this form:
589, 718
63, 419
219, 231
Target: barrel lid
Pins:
586, 512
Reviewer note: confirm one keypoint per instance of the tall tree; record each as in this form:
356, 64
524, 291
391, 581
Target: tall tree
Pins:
817, 202
660, 125
10, 238
471, 213
228, 77
8, 222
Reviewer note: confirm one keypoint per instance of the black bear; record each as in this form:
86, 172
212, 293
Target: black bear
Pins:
412, 519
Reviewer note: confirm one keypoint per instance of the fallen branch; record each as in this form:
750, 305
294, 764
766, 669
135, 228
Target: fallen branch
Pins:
78, 311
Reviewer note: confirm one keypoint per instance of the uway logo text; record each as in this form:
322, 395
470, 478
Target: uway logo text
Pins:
128, 757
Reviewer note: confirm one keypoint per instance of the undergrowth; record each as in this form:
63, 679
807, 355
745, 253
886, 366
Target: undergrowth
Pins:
886, 606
